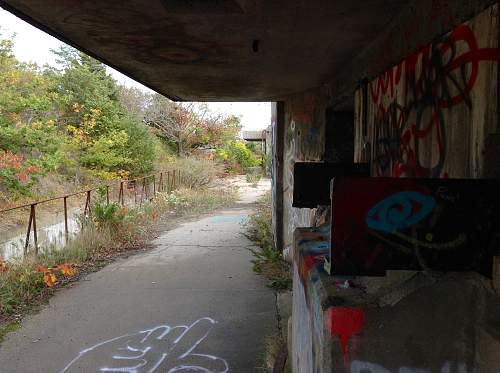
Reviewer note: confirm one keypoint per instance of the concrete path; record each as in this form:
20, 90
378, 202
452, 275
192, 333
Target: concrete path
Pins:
192, 304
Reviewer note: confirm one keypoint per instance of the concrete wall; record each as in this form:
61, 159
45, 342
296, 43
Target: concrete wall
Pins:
304, 122
406, 322
431, 110
431, 114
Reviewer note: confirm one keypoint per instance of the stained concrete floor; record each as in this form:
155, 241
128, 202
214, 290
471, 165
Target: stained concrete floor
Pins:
190, 304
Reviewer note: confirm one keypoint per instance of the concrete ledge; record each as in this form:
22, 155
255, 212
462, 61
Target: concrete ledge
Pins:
404, 322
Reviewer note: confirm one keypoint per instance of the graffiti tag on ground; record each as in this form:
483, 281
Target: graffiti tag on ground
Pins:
162, 348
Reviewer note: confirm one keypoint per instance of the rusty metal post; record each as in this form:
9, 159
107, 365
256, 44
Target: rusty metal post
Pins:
107, 194
145, 187
28, 232
66, 230
86, 211
168, 182
160, 182
123, 194
120, 193
179, 177
35, 233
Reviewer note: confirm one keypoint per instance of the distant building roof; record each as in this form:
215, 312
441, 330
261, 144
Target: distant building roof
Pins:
254, 135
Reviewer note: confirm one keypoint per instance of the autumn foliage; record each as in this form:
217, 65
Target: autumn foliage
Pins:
50, 273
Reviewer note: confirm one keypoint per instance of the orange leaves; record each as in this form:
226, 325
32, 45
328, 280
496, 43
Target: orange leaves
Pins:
50, 274
50, 279
67, 269
3, 265
10, 160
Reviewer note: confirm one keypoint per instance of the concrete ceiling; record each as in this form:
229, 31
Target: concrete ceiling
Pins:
216, 50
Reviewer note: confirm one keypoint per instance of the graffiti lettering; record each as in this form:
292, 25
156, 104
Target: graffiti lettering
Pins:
410, 102
162, 348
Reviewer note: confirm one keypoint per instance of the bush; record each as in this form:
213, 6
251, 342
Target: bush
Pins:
237, 156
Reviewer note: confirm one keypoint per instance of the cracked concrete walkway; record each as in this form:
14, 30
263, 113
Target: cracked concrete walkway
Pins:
191, 304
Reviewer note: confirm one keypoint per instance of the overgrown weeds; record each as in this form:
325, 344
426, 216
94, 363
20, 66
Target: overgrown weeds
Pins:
196, 173
194, 201
269, 261
253, 178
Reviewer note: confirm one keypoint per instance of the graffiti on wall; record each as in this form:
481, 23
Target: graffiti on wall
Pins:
308, 320
345, 322
162, 348
412, 104
294, 217
413, 224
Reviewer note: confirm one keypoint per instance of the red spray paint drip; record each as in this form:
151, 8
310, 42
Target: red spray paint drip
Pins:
345, 322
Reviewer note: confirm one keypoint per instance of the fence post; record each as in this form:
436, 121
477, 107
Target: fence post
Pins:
173, 182
120, 193
168, 182
66, 231
35, 234
160, 182
107, 194
86, 211
28, 232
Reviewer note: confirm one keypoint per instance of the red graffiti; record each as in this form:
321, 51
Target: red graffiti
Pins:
435, 78
345, 322
308, 263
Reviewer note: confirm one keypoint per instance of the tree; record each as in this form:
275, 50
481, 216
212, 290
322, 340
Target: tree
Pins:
107, 138
174, 122
190, 125
134, 101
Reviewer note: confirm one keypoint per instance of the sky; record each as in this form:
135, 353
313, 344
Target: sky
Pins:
34, 45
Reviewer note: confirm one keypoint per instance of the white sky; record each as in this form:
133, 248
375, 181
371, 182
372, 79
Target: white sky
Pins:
32, 44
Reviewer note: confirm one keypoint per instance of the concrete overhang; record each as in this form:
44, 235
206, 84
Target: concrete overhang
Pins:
216, 50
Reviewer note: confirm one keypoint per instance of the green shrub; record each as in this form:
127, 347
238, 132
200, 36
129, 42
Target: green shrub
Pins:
237, 156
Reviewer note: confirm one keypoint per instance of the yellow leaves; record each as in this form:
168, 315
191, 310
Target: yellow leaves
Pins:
77, 107
123, 174
50, 276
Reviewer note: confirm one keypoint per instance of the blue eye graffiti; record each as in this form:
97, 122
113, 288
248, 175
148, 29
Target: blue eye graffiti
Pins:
396, 212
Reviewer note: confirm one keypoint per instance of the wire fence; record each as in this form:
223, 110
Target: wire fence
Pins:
129, 192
